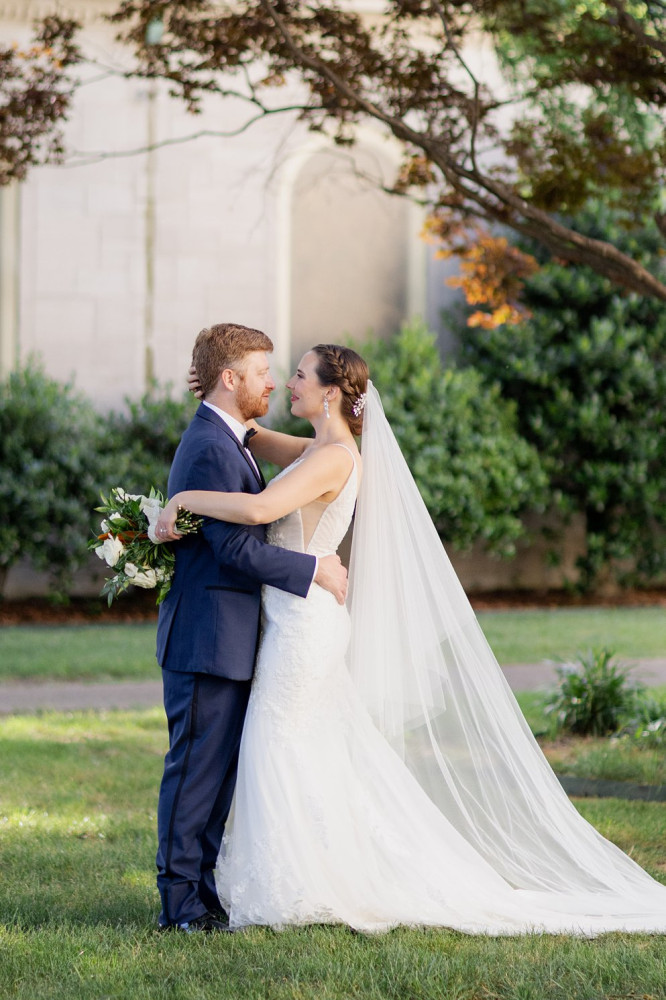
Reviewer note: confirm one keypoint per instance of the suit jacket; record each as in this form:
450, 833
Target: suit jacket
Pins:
209, 620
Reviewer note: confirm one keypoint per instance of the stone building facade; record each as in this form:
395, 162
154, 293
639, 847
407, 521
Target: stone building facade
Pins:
159, 223
112, 262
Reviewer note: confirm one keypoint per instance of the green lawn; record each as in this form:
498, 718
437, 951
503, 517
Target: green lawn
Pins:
595, 757
78, 904
532, 636
75, 652
611, 760
99, 652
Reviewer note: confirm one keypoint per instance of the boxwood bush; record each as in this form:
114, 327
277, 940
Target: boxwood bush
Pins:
587, 375
57, 454
144, 436
52, 461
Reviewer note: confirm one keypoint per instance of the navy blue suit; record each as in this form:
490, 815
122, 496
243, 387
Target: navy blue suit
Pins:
207, 636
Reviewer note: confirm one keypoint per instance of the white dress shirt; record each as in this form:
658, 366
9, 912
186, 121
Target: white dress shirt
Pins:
236, 426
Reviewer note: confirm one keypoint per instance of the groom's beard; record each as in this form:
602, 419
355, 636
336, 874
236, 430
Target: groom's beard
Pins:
251, 405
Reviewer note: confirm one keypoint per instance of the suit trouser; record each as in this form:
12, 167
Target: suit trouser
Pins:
205, 715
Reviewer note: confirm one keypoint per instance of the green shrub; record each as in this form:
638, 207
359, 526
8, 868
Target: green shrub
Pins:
594, 696
143, 438
587, 374
647, 726
648, 735
57, 455
476, 474
51, 464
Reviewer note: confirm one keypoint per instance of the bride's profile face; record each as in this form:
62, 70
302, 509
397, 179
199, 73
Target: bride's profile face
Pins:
307, 392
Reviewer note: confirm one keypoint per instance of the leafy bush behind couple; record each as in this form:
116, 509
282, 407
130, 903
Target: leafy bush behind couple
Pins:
563, 412
57, 453
476, 474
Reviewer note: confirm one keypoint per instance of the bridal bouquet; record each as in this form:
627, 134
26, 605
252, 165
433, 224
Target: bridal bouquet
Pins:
129, 545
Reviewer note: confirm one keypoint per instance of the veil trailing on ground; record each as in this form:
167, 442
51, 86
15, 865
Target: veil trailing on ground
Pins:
434, 688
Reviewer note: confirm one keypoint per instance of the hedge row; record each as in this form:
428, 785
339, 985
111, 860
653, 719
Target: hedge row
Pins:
477, 475
565, 412
587, 374
57, 453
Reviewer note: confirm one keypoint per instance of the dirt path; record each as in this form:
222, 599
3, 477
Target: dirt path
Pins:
69, 696
65, 696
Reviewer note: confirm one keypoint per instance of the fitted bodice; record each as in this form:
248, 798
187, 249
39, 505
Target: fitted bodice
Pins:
318, 527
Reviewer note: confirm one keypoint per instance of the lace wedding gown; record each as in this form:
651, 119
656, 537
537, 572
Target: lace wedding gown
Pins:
330, 826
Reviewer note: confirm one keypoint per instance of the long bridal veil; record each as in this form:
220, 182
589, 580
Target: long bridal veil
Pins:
434, 688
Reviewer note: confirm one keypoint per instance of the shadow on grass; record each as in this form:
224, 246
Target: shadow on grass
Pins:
78, 903
79, 877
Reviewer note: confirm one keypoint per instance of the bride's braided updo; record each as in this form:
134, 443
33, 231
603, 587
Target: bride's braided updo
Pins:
347, 370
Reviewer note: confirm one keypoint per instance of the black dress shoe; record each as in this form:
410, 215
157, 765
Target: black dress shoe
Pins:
206, 924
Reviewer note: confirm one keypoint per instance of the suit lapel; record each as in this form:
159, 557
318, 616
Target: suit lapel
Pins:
207, 414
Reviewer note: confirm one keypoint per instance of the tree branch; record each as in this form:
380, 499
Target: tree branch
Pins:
320, 66
510, 209
475, 83
354, 71
89, 157
626, 20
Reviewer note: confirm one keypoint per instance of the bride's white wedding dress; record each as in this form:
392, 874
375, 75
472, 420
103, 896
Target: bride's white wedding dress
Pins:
330, 824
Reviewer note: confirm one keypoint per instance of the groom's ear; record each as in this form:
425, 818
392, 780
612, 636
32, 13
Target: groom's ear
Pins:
226, 378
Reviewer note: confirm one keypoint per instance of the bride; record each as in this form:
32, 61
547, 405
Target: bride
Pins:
386, 773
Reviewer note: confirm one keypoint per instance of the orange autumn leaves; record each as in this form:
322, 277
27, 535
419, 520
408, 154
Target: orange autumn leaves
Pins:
492, 271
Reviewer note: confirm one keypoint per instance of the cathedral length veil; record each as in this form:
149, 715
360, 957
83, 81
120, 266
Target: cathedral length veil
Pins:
435, 690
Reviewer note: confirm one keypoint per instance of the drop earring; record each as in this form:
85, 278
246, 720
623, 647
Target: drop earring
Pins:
326, 409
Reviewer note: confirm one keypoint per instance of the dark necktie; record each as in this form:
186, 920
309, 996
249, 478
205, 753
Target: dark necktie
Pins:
246, 441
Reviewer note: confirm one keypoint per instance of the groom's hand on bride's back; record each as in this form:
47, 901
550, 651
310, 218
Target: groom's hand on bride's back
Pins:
332, 576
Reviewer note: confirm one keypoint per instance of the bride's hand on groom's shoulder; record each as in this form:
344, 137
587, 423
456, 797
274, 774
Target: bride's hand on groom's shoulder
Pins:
193, 383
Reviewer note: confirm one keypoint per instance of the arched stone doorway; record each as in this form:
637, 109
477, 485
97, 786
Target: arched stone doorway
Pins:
349, 274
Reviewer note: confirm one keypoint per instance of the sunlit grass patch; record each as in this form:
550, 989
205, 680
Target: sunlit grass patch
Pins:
530, 636
78, 904
324, 963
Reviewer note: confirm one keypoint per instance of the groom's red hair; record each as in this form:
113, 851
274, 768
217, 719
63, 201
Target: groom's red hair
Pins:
225, 345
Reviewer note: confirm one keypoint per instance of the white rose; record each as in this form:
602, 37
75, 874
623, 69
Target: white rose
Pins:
111, 551
150, 504
146, 578
152, 509
122, 496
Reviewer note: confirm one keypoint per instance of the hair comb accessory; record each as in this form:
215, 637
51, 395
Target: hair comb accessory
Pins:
359, 403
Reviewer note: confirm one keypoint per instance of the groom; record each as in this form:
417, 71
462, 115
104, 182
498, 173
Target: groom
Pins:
208, 624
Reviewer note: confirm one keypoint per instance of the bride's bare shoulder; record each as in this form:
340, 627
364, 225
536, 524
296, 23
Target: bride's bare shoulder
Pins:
352, 449
347, 453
